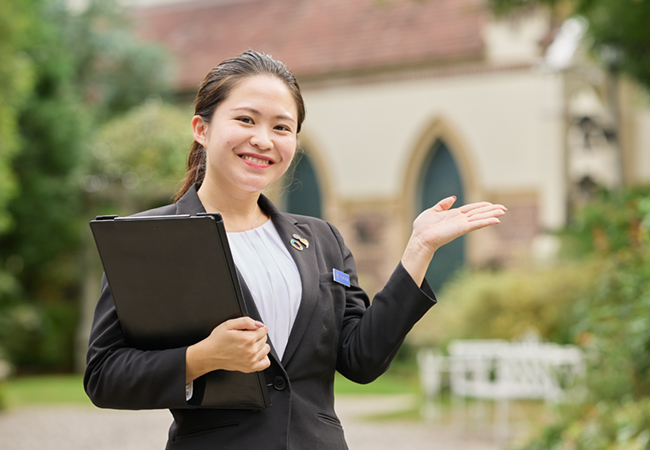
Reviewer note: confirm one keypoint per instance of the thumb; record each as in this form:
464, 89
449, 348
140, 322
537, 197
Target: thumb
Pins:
444, 204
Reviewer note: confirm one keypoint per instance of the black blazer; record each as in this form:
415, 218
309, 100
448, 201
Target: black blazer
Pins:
335, 329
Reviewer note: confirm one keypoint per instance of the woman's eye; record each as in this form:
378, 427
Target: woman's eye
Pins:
245, 120
282, 128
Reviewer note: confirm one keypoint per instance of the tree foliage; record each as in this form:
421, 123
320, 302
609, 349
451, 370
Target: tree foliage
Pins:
613, 326
68, 73
16, 81
507, 304
619, 31
138, 158
598, 297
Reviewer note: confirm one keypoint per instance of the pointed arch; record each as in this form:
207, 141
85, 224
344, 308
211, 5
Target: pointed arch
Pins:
438, 129
439, 166
306, 188
303, 195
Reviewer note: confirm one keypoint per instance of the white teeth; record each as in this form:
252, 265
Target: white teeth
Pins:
255, 160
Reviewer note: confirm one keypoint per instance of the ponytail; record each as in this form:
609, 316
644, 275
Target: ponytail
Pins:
195, 169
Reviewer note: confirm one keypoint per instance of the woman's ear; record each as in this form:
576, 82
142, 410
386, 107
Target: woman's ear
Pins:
199, 129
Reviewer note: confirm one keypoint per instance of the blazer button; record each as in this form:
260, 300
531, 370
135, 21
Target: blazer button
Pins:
280, 383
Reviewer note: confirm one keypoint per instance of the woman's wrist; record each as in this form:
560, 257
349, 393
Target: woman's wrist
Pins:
416, 259
194, 364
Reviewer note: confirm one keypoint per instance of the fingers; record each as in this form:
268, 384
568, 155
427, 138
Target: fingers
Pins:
470, 209
244, 323
478, 224
259, 351
471, 206
256, 357
485, 212
262, 359
474, 208
238, 344
256, 350
252, 333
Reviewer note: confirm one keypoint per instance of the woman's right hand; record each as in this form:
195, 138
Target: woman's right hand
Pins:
441, 224
235, 345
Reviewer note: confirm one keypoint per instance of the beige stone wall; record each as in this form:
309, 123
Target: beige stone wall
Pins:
507, 130
642, 160
370, 139
517, 37
639, 158
508, 120
373, 231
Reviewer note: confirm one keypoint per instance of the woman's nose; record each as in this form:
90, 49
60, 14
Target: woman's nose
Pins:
261, 139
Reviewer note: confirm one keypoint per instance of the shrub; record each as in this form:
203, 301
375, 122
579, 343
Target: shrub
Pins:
614, 329
603, 426
507, 305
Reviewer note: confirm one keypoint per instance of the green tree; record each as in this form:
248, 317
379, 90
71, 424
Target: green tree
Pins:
138, 158
16, 81
84, 68
619, 31
613, 327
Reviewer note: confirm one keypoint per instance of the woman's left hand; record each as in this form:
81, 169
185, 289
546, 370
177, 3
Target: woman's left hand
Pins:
442, 224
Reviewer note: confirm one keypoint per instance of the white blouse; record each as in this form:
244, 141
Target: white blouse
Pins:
272, 276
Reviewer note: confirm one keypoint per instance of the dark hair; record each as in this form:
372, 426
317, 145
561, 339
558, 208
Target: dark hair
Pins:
216, 87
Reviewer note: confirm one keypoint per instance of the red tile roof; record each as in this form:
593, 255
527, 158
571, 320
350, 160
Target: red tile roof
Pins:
314, 37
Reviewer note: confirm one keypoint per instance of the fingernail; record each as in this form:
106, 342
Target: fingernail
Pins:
258, 324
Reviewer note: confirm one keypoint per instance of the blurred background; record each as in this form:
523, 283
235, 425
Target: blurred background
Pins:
541, 105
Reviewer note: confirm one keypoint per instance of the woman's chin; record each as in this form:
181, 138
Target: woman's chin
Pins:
253, 186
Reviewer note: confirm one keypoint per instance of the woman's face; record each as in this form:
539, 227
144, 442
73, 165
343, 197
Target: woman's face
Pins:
252, 136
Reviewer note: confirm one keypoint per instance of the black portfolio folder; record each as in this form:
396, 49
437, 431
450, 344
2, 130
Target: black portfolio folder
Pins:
173, 281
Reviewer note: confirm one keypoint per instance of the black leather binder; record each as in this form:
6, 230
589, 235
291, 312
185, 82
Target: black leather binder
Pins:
173, 281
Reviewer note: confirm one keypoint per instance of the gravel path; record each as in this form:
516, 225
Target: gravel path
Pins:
89, 428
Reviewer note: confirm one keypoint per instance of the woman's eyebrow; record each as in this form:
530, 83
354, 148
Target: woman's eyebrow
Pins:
256, 112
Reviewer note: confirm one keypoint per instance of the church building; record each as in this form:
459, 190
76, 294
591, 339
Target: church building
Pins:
410, 101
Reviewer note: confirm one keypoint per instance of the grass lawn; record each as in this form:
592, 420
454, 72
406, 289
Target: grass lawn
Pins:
68, 389
391, 382
44, 389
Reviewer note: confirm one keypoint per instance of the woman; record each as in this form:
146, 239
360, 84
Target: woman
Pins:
303, 325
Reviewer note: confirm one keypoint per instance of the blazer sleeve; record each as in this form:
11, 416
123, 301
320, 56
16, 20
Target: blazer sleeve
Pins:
122, 377
371, 334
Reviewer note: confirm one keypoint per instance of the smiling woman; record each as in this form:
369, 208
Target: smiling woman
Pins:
308, 316
249, 144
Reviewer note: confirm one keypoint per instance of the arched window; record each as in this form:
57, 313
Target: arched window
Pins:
303, 196
439, 179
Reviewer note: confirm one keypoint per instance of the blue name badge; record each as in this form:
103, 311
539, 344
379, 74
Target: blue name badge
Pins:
341, 277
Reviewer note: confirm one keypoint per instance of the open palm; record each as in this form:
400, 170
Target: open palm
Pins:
441, 224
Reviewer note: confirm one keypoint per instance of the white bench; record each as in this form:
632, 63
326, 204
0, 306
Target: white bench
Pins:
502, 371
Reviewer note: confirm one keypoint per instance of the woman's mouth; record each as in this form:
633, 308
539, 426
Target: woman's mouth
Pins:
255, 160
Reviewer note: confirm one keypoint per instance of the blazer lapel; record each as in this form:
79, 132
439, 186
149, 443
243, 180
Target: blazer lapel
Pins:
189, 203
307, 266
